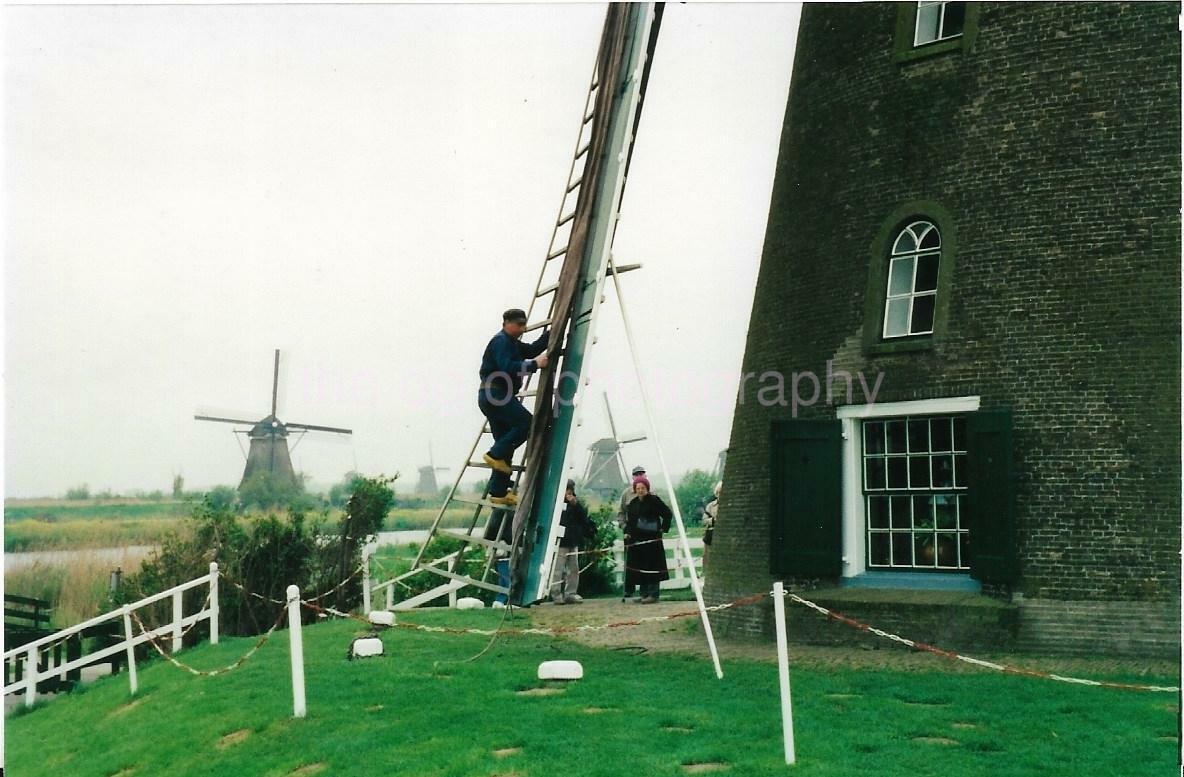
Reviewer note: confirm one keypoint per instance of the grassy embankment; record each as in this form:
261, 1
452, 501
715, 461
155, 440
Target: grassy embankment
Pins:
423, 710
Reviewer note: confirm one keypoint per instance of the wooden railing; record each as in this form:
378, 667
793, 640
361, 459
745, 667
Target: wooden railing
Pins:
41, 659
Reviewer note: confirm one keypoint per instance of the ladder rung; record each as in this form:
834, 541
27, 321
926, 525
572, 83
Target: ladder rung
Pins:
554, 254
547, 290
527, 394
588, 118
485, 503
427, 596
583, 150
421, 567
572, 186
474, 538
566, 219
483, 465
539, 325
467, 580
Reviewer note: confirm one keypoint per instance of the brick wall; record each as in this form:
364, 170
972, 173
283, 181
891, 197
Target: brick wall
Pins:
1054, 144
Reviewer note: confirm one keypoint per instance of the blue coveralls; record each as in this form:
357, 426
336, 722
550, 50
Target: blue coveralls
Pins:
503, 366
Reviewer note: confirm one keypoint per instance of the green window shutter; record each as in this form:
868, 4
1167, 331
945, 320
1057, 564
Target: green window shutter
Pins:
807, 509
990, 499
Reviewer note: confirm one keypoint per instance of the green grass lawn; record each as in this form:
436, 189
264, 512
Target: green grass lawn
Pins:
421, 710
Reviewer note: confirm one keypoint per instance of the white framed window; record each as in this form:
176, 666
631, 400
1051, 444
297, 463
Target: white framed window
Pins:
870, 433
914, 482
912, 281
938, 20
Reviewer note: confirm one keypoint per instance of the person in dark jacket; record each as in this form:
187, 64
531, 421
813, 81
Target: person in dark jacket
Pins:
504, 364
647, 519
577, 526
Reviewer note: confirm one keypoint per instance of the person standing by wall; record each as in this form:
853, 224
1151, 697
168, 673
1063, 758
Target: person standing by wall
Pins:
565, 574
710, 512
622, 514
647, 519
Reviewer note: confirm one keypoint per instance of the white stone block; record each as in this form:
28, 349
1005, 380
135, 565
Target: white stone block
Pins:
382, 618
469, 603
561, 670
364, 647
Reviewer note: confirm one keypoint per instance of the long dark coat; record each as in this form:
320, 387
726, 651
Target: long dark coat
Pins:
645, 562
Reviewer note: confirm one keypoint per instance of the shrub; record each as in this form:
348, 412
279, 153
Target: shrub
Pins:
694, 491
221, 497
598, 578
264, 555
78, 493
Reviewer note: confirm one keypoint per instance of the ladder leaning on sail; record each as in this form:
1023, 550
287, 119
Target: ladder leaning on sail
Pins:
494, 535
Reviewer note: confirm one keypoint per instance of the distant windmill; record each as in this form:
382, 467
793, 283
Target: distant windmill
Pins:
269, 438
427, 476
720, 461
605, 473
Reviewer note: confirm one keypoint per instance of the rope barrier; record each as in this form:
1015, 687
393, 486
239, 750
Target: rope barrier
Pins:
554, 631
191, 626
953, 656
322, 610
212, 672
318, 597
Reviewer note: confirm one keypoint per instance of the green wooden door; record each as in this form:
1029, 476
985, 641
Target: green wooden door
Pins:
990, 499
805, 482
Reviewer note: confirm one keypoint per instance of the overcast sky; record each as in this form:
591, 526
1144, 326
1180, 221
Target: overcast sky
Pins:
366, 188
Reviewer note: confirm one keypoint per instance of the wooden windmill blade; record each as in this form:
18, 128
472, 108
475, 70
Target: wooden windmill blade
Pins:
219, 419
316, 428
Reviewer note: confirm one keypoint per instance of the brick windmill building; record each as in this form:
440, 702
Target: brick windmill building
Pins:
960, 408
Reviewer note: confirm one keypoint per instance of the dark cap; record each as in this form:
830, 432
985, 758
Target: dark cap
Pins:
639, 470
571, 485
517, 315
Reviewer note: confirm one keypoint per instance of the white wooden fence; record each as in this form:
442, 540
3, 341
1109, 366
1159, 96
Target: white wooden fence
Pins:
31, 653
680, 573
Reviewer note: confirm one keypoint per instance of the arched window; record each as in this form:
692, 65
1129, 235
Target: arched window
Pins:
912, 281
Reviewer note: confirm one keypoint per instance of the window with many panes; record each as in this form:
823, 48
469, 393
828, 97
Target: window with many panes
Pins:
938, 20
912, 281
914, 484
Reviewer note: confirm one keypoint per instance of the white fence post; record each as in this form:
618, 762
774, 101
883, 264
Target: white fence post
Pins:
30, 676
367, 551
213, 602
131, 648
783, 671
299, 708
178, 614
619, 562
390, 597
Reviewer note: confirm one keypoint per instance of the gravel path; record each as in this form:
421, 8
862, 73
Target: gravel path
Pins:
684, 635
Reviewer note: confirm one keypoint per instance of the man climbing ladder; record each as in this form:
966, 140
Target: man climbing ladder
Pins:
505, 362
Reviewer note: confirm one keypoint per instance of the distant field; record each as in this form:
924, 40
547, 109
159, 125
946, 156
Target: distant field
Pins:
60, 524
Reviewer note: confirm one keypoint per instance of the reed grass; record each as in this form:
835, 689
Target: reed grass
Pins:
76, 586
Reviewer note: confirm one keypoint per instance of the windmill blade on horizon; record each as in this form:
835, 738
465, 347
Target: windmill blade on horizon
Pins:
611, 425
316, 428
225, 417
